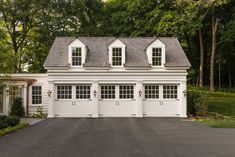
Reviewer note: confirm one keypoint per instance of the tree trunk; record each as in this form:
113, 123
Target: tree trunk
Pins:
229, 76
219, 76
213, 50
201, 69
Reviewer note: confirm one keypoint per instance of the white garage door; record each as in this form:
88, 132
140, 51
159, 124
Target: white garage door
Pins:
160, 100
73, 100
117, 101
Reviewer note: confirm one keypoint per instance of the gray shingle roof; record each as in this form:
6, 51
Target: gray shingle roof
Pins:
97, 56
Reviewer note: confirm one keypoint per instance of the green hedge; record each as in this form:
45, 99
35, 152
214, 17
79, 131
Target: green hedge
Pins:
196, 105
8, 121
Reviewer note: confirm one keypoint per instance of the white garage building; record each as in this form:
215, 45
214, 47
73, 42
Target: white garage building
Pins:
107, 77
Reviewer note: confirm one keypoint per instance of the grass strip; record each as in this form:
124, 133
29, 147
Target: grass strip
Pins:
12, 129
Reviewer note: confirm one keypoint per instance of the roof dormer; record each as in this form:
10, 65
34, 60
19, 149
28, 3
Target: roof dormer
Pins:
76, 53
156, 52
116, 52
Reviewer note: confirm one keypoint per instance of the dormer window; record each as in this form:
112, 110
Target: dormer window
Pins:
117, 56
156, 56
156, 52
76, 56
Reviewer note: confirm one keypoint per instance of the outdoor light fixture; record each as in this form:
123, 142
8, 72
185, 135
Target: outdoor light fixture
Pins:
7, 90
94, 93
49, 93
140, 93
185, 93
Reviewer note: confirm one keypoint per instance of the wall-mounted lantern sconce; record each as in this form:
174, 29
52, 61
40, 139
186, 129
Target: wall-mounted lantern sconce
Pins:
49, 93
140, 93
7, 90
185, 93
94, 93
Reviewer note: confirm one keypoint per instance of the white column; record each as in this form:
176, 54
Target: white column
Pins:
25, 97
139, 99
5, 105
7, 92
51, 100
183, 99
95, 99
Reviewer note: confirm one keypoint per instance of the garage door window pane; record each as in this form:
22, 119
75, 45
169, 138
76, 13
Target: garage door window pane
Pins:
36, 95
83, 92
151, 91
64, 92
107, 92
126, 92
170, 92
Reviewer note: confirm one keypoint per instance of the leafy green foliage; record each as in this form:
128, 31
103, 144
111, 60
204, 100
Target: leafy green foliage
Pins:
39, 113
17, 108
196, 104
8, 121
12, 129
29, 27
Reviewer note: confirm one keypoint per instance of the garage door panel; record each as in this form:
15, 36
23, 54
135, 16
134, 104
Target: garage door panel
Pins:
83, 108
108, 108
63, 108
127, 108
151, 108
170, 108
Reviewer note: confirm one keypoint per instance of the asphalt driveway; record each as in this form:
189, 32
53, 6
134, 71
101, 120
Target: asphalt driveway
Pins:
118, 137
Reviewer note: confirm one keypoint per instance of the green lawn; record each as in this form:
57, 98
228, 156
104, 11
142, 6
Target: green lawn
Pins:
218, 123
222, 103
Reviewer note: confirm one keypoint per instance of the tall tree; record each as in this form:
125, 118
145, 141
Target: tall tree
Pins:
19, 19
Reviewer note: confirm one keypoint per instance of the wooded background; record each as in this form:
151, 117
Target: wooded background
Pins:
205, 28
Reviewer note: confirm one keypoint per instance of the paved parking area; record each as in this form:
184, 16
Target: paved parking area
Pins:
118, 137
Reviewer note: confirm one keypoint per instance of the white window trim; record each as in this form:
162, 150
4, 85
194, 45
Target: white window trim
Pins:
37, 95
77, 99
177, 94
158, 92
77, 56
56, 93
161, 57
121, 58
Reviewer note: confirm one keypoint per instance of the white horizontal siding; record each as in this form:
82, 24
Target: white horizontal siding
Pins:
40, 80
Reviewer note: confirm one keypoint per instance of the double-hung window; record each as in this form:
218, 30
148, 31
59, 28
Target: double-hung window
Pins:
170, 92
151, 92
64, 91
117, 56
156, 56
83, 92
36, 95
76, 56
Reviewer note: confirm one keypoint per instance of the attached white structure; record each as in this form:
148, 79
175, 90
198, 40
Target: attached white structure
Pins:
110, 77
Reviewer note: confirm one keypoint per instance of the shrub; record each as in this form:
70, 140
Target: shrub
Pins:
196, 103
9, 121
39, 113
17, 108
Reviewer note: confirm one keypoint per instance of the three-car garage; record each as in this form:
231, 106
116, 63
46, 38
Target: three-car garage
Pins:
116, 100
